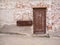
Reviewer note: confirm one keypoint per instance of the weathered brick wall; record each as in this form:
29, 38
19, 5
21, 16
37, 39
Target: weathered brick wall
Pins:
6, 12
13, 10
55, 7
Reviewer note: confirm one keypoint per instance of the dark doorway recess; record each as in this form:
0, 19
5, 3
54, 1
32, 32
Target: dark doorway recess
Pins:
39, 20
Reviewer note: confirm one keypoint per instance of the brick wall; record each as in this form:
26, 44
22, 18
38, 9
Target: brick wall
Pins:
55, 7
13, 10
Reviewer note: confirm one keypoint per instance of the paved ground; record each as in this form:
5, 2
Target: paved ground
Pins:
9, 39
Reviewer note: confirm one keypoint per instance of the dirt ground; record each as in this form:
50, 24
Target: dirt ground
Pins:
23, 36
11, 39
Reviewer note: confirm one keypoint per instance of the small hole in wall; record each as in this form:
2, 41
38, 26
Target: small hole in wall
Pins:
24, 23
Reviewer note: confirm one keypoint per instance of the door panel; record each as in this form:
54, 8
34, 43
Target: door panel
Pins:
39, 20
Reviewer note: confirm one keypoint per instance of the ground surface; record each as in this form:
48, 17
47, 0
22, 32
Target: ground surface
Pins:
13, 35
11, 39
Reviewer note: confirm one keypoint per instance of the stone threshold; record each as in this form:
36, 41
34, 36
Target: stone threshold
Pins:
41, 35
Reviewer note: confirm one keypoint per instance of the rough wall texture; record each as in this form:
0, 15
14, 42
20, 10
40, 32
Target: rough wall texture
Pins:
55, 9
13, 10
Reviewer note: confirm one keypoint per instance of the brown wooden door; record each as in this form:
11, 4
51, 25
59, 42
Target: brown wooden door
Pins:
39, 20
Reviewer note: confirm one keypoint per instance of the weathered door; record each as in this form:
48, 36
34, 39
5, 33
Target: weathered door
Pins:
39, 20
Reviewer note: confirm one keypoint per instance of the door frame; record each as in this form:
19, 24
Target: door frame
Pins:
33, 18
